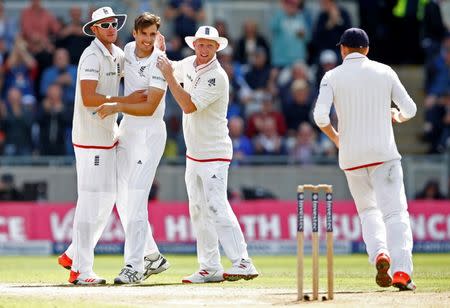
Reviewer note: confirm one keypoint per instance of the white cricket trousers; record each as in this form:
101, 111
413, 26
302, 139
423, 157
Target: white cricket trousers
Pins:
138, 155
380, 199
212, 218
97, 184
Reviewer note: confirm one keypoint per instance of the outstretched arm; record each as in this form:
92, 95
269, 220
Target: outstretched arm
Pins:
144, 109
93, 99
182, 97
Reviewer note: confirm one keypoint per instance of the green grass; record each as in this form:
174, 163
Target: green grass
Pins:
352, 273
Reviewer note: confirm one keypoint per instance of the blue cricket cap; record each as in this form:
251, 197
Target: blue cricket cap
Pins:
354, 38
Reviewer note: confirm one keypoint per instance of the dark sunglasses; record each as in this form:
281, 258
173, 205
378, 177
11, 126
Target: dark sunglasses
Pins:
106, 25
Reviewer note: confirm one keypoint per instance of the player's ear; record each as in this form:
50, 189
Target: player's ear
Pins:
134, 34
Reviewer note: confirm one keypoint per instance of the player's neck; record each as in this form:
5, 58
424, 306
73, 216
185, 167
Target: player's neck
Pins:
142, 53
107, 45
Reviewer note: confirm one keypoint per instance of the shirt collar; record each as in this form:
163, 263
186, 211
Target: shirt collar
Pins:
202, 66
104, 49
355, 55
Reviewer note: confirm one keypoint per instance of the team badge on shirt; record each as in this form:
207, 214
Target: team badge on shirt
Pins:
212, 82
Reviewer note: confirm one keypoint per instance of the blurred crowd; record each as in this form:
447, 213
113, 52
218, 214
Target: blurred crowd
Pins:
273, 83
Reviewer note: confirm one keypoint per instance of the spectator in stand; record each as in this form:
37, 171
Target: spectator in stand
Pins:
36, 20
249, 42
8, 189
440, 81
435, 106
71, 35
174, 48
291, 28
8, 27
242, 146
298, 111
240, 92
444, 142
333, 20
298, 71
3, 56
327, 61
269, 141
433, 30
64, 74
3, 113
437, 123
53, 123
17, 123
305, 146
257, 121
405, 29
185, 14
43, 54
431, 191
226, 56
258, 75
222, 28
20, 68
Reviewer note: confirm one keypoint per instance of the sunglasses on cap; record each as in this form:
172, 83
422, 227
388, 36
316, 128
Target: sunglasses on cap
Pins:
107, 25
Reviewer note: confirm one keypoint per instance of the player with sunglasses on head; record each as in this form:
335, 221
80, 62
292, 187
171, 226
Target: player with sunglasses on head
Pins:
142, 138
95, 140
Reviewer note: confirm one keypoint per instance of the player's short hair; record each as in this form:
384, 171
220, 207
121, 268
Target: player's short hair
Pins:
146, 20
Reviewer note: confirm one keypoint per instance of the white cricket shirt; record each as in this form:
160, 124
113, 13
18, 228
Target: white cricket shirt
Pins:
97, 63
362, 91
206, 129
140, 74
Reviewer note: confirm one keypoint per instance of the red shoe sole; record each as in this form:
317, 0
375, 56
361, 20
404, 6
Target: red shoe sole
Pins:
383, 278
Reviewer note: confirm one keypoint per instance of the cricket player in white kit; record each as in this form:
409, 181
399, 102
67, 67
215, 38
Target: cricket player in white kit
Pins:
142, 139
362, 91
204, 101
94, 140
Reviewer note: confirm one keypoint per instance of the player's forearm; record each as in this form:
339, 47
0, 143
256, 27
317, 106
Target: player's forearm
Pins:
181, 96
331, 133
95, 100
142, 109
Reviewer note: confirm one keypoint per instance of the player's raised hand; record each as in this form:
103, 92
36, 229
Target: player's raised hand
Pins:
107, 109
138, 96
164, 66
160, 41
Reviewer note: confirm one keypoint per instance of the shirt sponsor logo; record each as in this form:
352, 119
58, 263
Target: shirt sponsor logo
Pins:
128, 61
189, 77
110, 73
212, 82
158, 78
91, 70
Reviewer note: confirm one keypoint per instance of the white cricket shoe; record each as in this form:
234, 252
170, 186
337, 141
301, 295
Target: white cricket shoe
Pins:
90, 279
244, 270
154, 263
128, 276
203, 276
